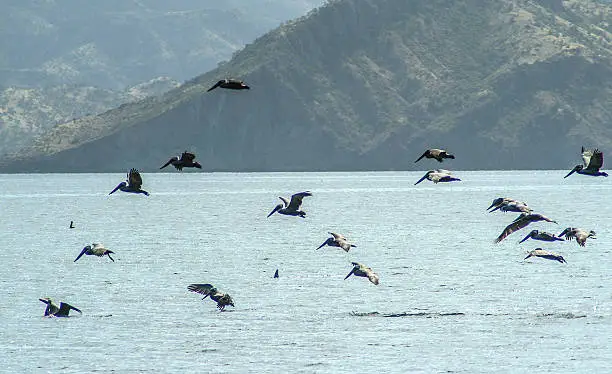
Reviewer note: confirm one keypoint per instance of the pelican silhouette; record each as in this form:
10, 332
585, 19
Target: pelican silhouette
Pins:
539, 252
97, 250
580, 235
276, 274
291, 208
361, 270
541, 235
337, 240
438, 175
185, 161
222, 299
133, 184
52, 310
592, 162
438, 154
522, 221
231, 84
71, 224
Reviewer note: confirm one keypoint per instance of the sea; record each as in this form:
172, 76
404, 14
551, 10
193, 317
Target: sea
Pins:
449, 299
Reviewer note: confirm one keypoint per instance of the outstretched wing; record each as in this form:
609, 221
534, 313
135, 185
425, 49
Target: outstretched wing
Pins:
216, 85
134, 179
64, 309
514, 226
205, 289
296, 200
596, 161
187, 157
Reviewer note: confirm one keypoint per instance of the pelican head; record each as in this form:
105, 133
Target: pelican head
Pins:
575, 169
45, 300
197, 165
119, 186
496, 202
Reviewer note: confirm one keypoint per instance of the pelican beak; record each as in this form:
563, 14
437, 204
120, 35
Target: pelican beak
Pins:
349, 274
420, 180
276, 209
322, 245
44, 301
81, 254
525, 238
570, 173
116, 188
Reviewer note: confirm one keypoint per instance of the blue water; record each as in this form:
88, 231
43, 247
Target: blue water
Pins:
449, 300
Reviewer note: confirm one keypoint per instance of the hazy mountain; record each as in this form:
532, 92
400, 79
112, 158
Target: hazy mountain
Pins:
365, 84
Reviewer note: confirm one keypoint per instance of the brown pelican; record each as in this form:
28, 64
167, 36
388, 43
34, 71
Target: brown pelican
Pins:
579, 234
337, 240
291, 208
438, 175
511, 206
522, 221
221, 298
71, 224
53, 310
232, 84
592, 162
133, 184
539, 252
97, 250
361, 270
185, 161
541, 235
438, 154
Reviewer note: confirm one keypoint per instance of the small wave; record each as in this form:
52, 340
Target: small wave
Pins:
406, 314
566, 315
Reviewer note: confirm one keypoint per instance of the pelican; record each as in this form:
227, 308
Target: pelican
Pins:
539, 252
579, 234
438, 154
438, 175
185, 161
338, 240
512, 206
592, 162
541, 235
53, 310
97, 250
71, 224
522, 221
361, 270
133, 184
221, 298
232, 84
291, 208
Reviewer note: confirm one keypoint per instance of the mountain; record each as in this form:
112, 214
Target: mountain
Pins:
368, 85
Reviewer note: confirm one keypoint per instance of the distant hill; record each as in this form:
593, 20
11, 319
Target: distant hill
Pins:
369, 84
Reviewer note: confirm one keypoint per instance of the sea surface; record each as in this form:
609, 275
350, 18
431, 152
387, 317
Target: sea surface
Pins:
449, 300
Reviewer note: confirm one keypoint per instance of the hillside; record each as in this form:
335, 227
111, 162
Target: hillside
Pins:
368, 85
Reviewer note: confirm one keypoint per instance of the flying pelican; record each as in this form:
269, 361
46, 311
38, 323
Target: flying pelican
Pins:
438, 154
97, 250
541, 235
438, 175
185, 161
232, 84
221, 298
579, 234
522, 221
133, 184
539, 252
71, 224
291, 208
592, 162
57, 311
337, 240
512, 206
361, 270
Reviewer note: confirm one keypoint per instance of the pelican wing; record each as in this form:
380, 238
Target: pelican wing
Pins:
296, 200
64, 309
134, 179
187, 157
170, 161
518, 224
205, 289
596, 161
586, 156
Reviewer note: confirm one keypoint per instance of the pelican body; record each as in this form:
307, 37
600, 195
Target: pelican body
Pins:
52, 310
592, 161
438, 175
97, 250
185, 161
132, 185
230, 84
361, 270
580, 235
543, 236
539, 252
521, 222
438, 154
222, 299
291, 208
338, 240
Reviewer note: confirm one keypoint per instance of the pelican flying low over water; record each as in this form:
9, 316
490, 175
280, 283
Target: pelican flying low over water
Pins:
592, 162
543, 236
438, 154
53, 310
133, 184
337, 240
97, 250
222, 299
579, 234
291, 208
438, 175
230, 84
539, 252
521, 222
361, 270
185, 161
